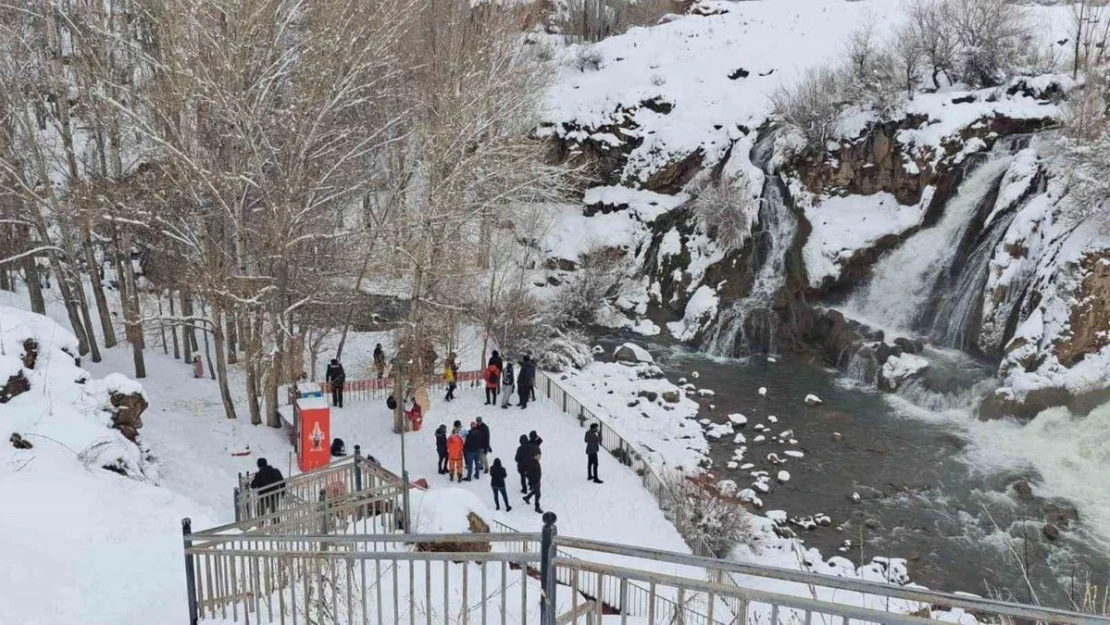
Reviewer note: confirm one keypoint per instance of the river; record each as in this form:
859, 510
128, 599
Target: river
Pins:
936, 486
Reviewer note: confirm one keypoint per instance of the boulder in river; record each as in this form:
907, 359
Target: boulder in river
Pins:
632, 353
813, 400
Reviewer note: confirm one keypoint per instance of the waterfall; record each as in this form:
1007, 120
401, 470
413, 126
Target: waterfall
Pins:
904, 281
957, 322
751, 324
863, 367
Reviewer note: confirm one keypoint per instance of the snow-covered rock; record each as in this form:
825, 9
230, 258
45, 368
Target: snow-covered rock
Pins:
631, 352
783, 476
763, 391
813, 400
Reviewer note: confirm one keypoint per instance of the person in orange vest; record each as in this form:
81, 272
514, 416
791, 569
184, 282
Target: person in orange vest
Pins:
455, 454
493, 383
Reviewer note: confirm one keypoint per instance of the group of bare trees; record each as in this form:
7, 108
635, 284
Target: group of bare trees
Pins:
978, 43
244, 170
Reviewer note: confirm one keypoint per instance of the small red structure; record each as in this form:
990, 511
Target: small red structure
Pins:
313, 420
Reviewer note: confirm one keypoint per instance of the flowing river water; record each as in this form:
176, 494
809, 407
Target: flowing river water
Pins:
935, 486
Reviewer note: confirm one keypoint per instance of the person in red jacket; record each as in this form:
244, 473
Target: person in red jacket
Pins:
493, 383
454, 455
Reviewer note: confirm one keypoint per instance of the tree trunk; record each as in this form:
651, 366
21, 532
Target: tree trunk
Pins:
132, 313
253, 349
232, 340
276, 360
173, 328
221, 361
208, 349
109, 332
162, 325
34, 284
186, 312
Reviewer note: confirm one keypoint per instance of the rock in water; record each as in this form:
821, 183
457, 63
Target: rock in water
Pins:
1051, 532
631, 352
813, 400
772, 359
763, 391
784, 476
671, 397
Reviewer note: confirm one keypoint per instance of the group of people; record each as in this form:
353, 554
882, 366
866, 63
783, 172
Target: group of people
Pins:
469, 446
500, 374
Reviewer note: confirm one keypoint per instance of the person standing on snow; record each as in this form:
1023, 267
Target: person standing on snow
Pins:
450, 375
455, 455
508, 380
441, 448
521, 459
534, 474
525, 381
472, 446
495, 359
483, 460
497, 475
593, 444
335, 377
493, 381
268, 483
379, 361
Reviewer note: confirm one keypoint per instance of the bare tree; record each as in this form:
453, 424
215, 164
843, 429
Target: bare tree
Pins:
929, 20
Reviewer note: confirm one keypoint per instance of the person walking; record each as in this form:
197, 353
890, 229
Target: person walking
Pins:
471, 447
497, 475
268, 482
379, 361
335, 377
521, 459
534, 474
455, 454
493, 381
450, 375
593, 444
485, 449
441, 448
508, 380
525, 380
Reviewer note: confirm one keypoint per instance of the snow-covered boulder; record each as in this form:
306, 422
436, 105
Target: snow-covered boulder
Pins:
897, 369
631, 352
813, 400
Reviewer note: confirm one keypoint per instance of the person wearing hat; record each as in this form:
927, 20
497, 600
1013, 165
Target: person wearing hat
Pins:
441, 448
455, 446
483, 460
269, 483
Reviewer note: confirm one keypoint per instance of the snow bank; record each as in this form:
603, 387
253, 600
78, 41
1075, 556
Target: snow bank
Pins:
700, 310
645, 205
445, 510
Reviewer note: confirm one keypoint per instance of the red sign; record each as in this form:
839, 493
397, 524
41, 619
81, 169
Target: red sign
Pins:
313, 433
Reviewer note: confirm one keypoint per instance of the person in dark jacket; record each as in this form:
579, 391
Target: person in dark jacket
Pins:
521, 459
471, 446
379, 360
441, 448
269, 483
508, 379
593, 444
525, 380
335, 377
483, 460
495, 359
497, 475
534, 474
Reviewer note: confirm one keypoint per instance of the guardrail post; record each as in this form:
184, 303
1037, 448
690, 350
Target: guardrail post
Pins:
190, 571
323, 511
358, 479
547, 570
405, 500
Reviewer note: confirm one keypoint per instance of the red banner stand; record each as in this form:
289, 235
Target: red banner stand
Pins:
313, 418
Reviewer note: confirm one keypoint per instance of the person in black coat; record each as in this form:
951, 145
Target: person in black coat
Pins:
495, 359
525, 381
269, 483
521, 459
483, 460
335, 377
441, 448
534, 473
497, 475
593, 444
472, 446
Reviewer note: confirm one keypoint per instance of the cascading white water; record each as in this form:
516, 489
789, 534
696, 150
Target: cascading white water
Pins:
904, 280
963, 302
751, 324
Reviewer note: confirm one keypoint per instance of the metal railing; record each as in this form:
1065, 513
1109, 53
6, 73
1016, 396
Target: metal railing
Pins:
331, 579
380, 388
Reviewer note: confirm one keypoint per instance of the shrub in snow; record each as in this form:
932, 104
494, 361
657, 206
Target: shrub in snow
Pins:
812, 106
594, 20
587, 58
706, 516
992, 36
604, 276
560, 350
727, 209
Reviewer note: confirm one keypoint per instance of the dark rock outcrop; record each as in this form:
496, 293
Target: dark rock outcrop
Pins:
15, 385
129, 410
